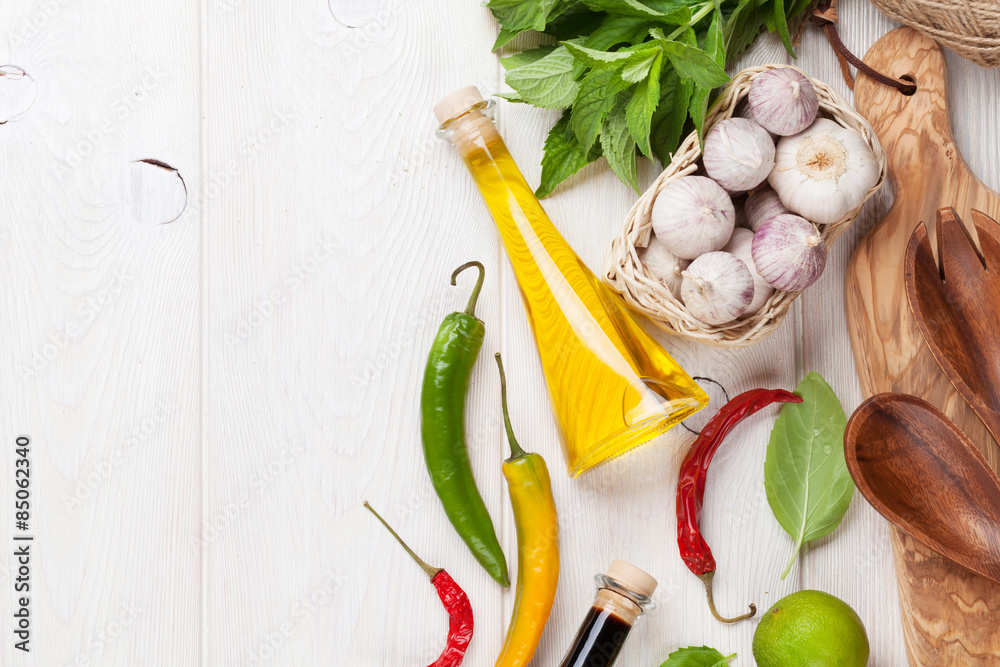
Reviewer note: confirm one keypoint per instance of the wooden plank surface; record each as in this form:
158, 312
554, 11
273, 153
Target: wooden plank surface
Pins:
211, 399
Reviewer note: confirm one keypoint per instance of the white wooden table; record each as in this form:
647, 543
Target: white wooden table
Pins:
217, 358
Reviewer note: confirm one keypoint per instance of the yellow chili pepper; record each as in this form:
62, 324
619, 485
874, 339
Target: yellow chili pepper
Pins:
537, 545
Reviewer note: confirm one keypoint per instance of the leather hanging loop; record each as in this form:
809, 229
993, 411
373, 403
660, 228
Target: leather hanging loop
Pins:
825, 16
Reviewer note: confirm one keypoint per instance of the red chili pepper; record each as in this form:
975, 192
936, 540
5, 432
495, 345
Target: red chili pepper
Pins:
691, 485
455, 602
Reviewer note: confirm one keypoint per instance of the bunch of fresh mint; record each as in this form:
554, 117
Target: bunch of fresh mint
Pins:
631, 74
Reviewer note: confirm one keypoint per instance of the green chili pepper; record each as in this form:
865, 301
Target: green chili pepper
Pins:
442, 427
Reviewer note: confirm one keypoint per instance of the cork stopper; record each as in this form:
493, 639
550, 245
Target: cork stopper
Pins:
456, 102
632, 577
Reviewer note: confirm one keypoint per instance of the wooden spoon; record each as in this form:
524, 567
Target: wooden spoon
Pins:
919, 471
956, 303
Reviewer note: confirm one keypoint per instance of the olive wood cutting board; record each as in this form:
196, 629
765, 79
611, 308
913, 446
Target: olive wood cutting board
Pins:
950, 615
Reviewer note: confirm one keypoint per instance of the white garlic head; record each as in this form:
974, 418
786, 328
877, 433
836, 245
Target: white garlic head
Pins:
693, 215
824, 172
739, 154
783, 101
760, 206
789, 252
664, 265
717, 288
740, 246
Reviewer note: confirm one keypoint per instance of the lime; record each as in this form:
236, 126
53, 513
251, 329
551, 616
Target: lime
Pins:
810, 629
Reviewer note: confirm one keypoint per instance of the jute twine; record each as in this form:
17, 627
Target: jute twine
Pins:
624, 272
970, 28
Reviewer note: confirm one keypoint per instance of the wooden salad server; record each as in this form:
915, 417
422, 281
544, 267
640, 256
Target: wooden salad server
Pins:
955, 299
951, 616
919, 471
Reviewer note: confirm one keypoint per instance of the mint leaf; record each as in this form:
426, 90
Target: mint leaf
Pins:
595, 98
563, 157
743, 26
676, 11
618, 144
517, 18
805, 474
715, 48
668, 121
777, 22
691, 62
641, 107
697, 656
609, 59
526, 57
616, 30
638, 69
548, 82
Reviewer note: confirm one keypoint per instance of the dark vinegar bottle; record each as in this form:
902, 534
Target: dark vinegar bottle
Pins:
624, 593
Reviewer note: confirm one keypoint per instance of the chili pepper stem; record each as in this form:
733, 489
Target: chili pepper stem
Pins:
707, 580
470, 309
515, 449
431, 571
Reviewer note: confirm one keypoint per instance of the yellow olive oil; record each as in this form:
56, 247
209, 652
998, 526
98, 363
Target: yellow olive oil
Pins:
611, 384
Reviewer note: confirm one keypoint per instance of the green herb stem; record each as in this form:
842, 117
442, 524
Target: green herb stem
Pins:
705, 10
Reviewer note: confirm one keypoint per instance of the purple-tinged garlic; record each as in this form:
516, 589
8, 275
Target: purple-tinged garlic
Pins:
761, 206
783, 101
740, 246
739, 154
789, 252
824, 172
693, 215
665, 266
717, 288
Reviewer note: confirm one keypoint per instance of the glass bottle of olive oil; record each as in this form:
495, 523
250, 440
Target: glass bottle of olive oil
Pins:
612, 385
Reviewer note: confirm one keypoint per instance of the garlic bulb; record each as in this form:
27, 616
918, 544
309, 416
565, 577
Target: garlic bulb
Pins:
823, 173
783, 101
692, 216
761, 206
739, 246
739, 154
789, 252
665, 266
717, 288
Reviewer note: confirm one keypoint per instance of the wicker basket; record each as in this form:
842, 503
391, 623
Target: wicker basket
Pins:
625, 273
970, 28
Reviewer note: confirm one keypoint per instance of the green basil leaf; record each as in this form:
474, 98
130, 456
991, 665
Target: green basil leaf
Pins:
549, 82
596, 97
716, 49
805, 475
668, 121
641, 107
563, 156
697, 656
691, 62
526, 57
618, 144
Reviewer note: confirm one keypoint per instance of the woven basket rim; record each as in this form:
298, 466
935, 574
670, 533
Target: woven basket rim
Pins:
624, 273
